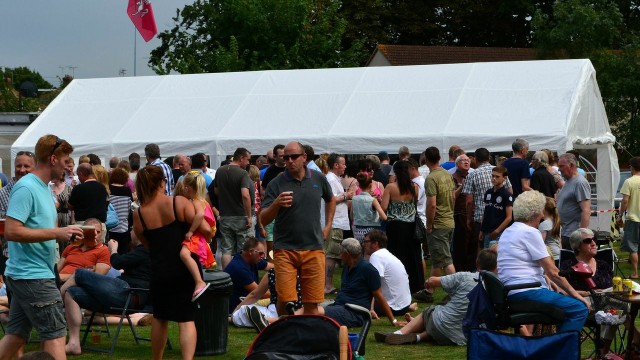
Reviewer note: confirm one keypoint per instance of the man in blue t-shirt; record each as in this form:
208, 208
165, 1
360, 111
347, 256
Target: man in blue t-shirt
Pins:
518, 167
32, 233
243, 269
360, 284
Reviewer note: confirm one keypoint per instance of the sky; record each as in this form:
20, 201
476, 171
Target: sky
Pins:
88, 39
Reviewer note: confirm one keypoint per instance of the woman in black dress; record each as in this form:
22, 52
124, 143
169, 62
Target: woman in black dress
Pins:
161, 223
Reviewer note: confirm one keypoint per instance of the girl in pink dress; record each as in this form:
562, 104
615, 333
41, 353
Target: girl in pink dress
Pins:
193, 187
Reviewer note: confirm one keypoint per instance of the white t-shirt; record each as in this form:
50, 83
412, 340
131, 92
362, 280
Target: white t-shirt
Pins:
394, 278
422, 199
520, 247
341, 216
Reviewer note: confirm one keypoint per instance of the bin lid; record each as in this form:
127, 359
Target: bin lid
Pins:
217, 279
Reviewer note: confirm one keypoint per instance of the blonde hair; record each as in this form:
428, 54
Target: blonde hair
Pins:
195, 181
101, 175
254, 173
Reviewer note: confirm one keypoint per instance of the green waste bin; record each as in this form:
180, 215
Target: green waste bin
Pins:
212, 314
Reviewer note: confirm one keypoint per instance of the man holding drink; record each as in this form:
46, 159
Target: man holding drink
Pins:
32, 233
293, 200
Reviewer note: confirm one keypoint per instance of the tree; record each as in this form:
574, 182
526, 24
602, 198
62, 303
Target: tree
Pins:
20, 74
237, 35
605, 32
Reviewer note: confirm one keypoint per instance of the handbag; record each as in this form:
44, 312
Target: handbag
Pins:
112, 217
420, 231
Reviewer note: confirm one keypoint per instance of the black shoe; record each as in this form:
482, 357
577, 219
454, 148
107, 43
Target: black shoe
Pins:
423, 296
381, 336
257, 319
290, 307
401, 339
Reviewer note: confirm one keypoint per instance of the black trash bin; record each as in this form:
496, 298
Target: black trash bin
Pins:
212, 314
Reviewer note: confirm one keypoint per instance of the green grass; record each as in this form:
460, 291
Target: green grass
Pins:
239, 340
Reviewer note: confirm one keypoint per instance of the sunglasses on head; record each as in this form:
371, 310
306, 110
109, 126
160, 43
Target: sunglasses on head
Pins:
57, 144
588, 240
292, 157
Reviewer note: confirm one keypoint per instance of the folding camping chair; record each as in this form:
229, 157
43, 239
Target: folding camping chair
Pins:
123, 312
591, 329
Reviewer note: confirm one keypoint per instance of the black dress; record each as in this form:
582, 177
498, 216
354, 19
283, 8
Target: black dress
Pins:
171, 283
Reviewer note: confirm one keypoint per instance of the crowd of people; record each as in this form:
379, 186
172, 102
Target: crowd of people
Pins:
79, 237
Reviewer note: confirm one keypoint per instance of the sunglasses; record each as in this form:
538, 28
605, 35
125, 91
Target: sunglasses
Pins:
588, 240
292, 157
58, 143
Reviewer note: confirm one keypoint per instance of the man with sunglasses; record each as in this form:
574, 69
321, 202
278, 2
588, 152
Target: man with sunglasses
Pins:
293, 201
243, 270
32, 233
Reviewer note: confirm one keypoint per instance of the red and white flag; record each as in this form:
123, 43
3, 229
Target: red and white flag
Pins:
141, 14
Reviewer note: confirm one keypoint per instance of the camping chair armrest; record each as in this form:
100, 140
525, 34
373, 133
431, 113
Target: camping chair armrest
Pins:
359, 309
534, 284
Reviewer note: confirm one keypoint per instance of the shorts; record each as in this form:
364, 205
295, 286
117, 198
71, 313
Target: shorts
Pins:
232, 233
631, 236
310, 265
332, 245
439, 242
432, 330
36, 303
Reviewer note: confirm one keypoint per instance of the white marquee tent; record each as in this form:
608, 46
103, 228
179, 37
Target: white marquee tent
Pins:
552, 104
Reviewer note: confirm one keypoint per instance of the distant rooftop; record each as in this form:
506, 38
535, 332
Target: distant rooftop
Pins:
395, 55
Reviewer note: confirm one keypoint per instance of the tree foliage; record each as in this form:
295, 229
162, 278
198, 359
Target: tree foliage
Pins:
605, 31
20, 74
236, 35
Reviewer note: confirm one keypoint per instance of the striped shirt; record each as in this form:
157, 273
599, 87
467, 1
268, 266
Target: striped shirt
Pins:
168, 175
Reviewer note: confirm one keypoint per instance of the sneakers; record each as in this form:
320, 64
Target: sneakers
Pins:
381, 336
401, 339
423, 296
257, 319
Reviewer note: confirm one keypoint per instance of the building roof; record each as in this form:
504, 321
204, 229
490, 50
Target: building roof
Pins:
425, 55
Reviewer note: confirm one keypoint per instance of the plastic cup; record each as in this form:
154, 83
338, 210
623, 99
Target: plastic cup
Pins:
353, 339
627, 286
96, 335
617, 283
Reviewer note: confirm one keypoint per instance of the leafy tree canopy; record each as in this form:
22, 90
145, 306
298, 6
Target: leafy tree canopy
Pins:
237, 35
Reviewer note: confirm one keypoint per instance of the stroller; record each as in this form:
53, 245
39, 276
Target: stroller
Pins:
308, 337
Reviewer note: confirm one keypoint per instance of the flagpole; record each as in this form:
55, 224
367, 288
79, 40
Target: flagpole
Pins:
135, 46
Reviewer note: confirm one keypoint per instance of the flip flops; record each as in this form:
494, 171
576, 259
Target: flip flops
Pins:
199, 292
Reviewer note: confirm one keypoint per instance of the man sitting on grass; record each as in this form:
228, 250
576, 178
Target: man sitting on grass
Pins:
443, 323
360, 284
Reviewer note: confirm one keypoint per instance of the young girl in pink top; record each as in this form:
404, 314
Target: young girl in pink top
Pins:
193, 187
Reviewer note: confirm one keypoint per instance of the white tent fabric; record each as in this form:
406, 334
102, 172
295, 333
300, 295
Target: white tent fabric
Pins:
552, 104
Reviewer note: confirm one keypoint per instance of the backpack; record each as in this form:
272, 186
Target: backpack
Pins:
480, 311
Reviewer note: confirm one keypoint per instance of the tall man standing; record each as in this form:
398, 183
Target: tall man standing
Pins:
574, 199
337, 166
440, 190
293, 200
31, 227
236, 197
631, 204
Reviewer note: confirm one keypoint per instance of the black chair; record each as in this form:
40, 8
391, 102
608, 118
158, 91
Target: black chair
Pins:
129, 307
513, 314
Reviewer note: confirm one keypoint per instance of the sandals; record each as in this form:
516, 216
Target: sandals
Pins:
199, 292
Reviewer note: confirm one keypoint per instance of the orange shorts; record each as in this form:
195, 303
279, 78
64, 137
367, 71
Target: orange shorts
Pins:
309, 264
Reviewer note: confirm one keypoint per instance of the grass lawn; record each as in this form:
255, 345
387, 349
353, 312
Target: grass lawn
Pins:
241, 338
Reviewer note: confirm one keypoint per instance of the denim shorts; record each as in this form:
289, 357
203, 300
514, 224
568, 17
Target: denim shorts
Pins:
36, 304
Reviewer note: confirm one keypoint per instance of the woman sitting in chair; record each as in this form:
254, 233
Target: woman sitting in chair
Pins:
584, 247
523, 258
